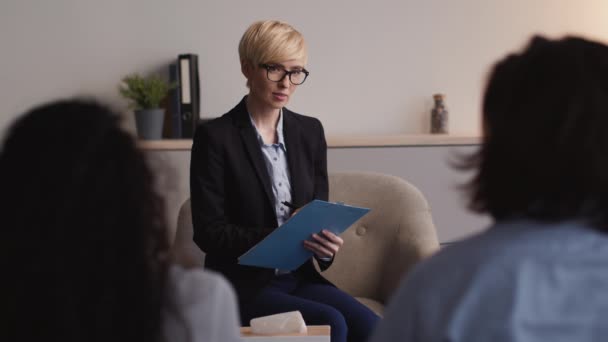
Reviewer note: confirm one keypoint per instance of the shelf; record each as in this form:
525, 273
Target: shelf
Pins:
165, 144
342, 141
400, 140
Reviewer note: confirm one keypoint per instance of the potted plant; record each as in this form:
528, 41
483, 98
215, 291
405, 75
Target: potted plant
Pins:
145, 95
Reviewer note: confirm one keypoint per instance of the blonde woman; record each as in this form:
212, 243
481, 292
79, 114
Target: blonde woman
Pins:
250, 161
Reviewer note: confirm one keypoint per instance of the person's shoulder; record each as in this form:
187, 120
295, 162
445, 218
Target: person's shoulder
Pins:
217, 123
301, 119
201, 307
511, 261
458, 261
435, 286
508, 246
218, 127
194, 284
473, 252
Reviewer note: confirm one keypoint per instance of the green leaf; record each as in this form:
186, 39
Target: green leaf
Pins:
144, 92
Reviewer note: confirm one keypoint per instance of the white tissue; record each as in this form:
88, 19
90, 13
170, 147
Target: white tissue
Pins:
283, 323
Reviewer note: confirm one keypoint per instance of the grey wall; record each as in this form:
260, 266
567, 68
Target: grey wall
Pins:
429, 169
374, 64
426, 167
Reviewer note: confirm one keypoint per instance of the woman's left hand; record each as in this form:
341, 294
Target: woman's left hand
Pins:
324, 245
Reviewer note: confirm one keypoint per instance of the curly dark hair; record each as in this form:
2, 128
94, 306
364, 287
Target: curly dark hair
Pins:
544, 153
86, 244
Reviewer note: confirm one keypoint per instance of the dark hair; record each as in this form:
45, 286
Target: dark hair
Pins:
544, 153
84, 230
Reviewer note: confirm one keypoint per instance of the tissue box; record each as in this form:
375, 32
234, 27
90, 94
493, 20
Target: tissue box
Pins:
283, 323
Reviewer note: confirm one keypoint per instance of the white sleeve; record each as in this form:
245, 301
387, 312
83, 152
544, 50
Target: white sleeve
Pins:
204, 308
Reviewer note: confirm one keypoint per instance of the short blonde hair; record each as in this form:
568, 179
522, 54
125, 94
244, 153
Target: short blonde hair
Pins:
272, 41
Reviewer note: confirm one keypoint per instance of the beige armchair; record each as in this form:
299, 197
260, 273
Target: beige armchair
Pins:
381, 247
378, 249
184, 251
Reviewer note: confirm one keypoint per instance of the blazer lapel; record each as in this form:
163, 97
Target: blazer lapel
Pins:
252, 146
291, 132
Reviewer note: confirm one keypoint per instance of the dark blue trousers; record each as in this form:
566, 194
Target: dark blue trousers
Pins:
320, 304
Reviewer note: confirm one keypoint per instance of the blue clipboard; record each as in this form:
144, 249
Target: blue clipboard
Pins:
284, 249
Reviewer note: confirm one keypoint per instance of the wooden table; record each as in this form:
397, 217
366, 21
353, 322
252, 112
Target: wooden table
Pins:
316, 333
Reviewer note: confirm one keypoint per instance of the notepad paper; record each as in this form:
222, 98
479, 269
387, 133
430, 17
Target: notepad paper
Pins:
284, 249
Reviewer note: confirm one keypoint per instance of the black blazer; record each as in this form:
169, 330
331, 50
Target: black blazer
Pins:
231, 194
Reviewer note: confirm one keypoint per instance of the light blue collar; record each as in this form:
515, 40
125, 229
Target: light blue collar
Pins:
281, 138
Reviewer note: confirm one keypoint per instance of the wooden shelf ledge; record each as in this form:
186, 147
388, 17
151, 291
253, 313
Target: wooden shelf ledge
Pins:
342, 141
400, 140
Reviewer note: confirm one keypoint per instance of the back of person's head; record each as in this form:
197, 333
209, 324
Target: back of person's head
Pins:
84, 229
544, 154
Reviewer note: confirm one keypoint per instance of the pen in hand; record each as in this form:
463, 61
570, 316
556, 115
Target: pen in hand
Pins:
290, 205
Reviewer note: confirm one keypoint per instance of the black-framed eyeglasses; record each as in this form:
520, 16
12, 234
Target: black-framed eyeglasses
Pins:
277, 73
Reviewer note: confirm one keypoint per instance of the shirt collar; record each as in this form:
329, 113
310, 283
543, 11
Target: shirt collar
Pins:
281, 138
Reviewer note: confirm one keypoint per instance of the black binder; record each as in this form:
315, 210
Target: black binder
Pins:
189, 93
174, 104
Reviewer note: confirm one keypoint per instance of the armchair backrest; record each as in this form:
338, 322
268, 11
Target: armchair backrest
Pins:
184, 250
378, 250
383, 245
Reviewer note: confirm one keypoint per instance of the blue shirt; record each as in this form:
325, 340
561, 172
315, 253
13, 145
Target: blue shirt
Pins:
275, 158
518, 281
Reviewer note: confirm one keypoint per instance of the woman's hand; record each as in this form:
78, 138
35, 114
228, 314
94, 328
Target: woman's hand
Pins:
324, 245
